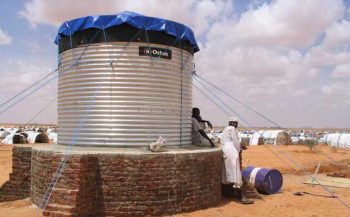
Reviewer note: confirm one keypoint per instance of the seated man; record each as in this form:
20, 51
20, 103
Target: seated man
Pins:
199, 137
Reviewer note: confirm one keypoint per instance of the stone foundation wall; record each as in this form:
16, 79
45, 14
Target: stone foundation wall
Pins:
75, 191
128, 184
18, 185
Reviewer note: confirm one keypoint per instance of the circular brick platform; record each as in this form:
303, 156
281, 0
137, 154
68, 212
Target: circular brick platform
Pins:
127, 182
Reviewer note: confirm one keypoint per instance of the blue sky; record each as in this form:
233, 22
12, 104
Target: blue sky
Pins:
288, 59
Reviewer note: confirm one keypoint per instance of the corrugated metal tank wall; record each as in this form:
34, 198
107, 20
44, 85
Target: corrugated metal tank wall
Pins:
115, 97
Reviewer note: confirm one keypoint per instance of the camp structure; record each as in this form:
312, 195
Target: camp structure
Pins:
273, 137
14, 137
338, 140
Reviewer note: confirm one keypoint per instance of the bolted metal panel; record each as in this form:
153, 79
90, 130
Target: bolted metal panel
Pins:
112, 96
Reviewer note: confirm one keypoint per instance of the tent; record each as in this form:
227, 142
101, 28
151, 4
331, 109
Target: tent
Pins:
14, 137
53, 137
35, 137
274, 137
3, 133
338, 140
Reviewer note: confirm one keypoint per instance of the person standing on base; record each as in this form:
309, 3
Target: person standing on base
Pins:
232, 174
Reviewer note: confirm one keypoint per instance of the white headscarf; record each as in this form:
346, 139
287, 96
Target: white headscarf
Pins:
233, 119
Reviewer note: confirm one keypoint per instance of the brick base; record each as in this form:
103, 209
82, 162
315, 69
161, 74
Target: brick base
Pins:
127, 182
18, 185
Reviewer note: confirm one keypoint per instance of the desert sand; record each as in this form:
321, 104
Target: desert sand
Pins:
281, 204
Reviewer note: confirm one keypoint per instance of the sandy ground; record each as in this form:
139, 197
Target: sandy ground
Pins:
282, 204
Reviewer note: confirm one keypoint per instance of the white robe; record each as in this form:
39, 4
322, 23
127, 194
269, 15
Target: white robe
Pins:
32, 136
231, 173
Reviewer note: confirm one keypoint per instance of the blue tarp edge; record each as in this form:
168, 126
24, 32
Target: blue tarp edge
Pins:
135, 20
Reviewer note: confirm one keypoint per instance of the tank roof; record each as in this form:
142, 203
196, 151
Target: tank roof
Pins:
139, 21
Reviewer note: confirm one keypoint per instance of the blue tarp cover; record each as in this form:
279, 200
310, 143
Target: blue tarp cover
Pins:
138, 21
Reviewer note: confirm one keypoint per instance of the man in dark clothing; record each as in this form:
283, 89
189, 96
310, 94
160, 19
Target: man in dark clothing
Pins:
199, 137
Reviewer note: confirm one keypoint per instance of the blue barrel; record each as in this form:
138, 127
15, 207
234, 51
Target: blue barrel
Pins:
266, 181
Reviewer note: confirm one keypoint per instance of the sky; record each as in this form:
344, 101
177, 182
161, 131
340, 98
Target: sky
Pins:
289, 60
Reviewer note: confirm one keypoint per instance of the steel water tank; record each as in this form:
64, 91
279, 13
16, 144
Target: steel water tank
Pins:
122, 85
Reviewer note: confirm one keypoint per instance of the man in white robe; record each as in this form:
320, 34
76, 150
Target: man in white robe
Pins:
232, 174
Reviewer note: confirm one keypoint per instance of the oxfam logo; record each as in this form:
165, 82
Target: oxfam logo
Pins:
147, 51
155, 52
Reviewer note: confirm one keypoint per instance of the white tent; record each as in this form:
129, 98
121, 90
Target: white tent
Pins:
275, 137
53, 137
9, 138
3, 133
32, 137
338, 140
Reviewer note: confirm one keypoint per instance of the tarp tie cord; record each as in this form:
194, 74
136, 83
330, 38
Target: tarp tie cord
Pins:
239, 101
298, 165
104, 34
182, 64
181, 91
132, 39
148, 45
155, 59
169, 46
71, 45
85, 49
218, 98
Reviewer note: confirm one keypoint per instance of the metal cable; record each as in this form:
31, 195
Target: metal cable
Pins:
221, 108
218, 98
240, 102
43, 109
313, 178
30, 93
27, 88
334, 161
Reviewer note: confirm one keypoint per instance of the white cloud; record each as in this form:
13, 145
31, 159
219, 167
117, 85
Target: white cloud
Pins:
338, 91
197, 14
338, 35
319, 56
274, 56
5, 39
342, 71
34, 47
282, 23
